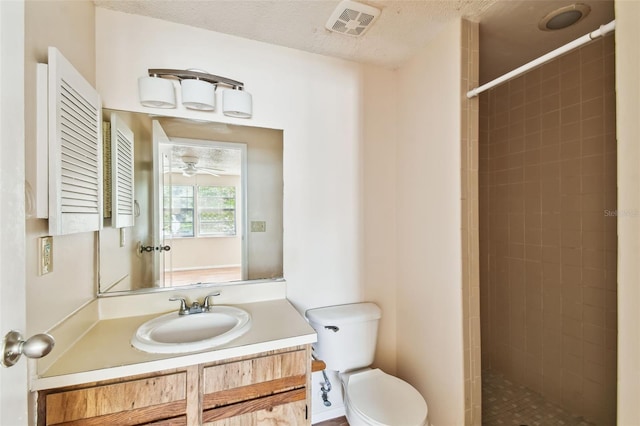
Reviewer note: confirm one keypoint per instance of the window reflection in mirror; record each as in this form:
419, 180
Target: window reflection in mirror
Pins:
190, 198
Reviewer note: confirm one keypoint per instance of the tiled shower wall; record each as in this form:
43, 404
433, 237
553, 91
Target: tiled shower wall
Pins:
469, 225
548, 231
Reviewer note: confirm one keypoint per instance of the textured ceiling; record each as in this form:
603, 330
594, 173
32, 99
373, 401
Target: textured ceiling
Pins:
509, 34
402, 28
196, 143
221, 161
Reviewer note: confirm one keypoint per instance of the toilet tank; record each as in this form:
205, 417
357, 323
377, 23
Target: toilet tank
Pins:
346, 334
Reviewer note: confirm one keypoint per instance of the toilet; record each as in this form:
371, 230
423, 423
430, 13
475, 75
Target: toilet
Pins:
347, 337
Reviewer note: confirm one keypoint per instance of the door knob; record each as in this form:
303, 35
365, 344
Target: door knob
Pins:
13, 346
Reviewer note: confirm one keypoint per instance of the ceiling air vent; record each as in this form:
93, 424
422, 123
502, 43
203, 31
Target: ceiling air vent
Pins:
352, 18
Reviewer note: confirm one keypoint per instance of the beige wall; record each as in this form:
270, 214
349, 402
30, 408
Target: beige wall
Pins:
379, 221
628, 132
548, 166
429, 315
69, 26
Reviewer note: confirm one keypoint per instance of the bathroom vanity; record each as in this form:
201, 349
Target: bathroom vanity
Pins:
266, 388
261, 378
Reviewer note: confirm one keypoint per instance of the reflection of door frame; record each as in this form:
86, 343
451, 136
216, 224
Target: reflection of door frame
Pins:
160, 139
159, 144
162, 258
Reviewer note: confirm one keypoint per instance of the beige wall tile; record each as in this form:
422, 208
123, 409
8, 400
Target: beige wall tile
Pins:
470, 180
550, 283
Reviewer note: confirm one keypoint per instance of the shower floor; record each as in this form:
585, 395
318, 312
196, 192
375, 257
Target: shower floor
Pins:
507, 403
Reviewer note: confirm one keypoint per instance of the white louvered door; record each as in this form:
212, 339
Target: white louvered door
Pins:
122, 183
75, 150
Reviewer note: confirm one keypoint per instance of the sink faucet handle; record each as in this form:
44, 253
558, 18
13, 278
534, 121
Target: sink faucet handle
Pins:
206, 305
183, 304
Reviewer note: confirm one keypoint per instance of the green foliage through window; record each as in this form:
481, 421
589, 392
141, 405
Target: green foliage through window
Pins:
217, 210
200, 211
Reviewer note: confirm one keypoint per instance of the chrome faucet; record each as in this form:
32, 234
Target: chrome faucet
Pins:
196, 307
185, 309
206, 305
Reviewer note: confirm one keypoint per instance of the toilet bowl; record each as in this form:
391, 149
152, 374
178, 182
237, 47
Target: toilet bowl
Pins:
375, 398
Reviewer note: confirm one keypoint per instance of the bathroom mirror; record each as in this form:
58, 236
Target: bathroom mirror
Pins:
208, 207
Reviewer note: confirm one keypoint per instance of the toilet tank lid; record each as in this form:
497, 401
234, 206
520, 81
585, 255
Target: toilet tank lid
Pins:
344, 314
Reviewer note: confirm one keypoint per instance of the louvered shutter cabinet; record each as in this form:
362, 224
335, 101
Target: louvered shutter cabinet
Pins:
75, 150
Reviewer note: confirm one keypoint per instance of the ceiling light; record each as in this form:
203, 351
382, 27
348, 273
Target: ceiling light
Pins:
189, 168
189, 171
198, 92
564, 17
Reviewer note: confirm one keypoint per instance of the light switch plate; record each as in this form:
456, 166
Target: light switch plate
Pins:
258, 226
45, 255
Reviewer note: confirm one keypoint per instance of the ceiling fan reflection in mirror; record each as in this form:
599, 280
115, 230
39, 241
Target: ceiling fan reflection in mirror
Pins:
190, 167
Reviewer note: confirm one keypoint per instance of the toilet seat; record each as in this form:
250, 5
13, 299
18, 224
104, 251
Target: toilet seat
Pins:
382, 399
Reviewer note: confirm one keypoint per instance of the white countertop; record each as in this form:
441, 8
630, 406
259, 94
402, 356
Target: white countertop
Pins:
105, 351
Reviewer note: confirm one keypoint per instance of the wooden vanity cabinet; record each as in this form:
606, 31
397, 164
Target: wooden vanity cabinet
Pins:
160, 399
264, 389
257, 391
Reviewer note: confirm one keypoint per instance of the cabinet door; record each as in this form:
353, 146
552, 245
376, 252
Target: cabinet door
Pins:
122, 179
75, 150
128, 403
262, 412
238, 381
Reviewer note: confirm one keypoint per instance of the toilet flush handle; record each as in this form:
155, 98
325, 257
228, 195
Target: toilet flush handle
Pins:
332, 328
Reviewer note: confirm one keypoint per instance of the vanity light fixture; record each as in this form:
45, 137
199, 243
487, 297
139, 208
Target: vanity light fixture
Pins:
198, 92
237, 103
156, 92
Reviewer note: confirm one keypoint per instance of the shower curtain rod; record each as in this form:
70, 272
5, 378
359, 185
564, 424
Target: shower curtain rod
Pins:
600, 32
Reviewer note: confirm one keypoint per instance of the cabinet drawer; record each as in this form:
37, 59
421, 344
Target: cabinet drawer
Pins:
232, 382
130, 402
288, 408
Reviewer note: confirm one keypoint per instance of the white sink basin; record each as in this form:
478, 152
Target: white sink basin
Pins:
173, 333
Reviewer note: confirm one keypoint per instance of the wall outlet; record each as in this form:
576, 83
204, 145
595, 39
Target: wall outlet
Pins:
45, 254
258, 226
